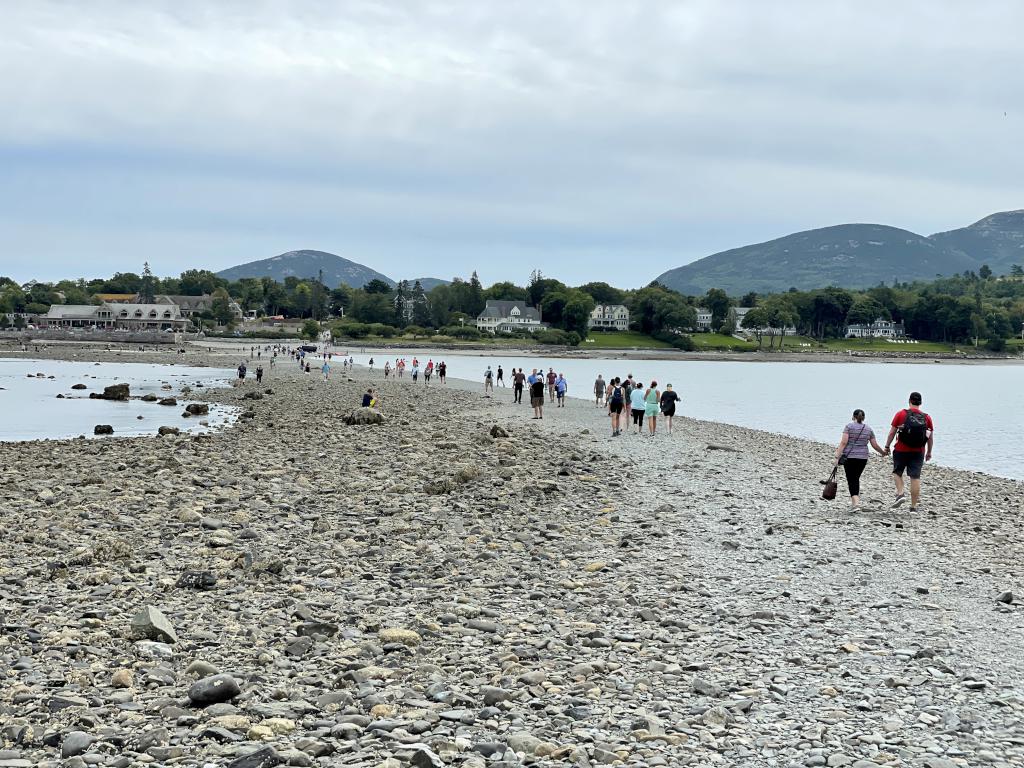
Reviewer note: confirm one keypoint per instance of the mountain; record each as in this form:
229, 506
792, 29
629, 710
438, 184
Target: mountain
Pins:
428, 283
996, 240
847, 255
337, 271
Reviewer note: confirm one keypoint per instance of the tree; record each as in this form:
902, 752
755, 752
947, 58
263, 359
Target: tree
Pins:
476, 296
864, 311
729, 326
311, 330
199, 282
749, 300
221, 307
718, 302
780, 315
403, 309
576, 313
985, 272
603, 293
377, 286
756, 320
147, 286
1017, 270
420, 305
505, 291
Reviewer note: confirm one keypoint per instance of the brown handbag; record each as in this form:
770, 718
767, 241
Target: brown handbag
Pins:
831, 486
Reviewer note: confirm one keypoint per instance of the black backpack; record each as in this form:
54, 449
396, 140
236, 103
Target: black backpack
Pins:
616, 395
914, 430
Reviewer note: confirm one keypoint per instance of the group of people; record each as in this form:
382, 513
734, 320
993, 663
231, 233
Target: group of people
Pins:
554, 384
441, 369
639, 404
914, 435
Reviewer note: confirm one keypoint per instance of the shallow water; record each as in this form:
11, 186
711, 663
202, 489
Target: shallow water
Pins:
31, 410
978, 409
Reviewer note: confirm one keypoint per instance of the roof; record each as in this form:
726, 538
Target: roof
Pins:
58, 311
501, 309
187, 302
143, 310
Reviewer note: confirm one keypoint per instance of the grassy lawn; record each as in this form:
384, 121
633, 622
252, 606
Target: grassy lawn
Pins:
720, 342
623, 340
881, 345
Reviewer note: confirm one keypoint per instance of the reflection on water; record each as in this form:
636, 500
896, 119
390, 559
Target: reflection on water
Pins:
32, 411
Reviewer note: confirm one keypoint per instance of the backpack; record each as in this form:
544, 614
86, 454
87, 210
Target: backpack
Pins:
617, 395
914, 430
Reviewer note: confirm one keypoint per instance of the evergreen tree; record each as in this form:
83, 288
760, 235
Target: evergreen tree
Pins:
147, 288
420, 306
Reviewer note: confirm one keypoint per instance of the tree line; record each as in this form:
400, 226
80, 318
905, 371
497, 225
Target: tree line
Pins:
963, 308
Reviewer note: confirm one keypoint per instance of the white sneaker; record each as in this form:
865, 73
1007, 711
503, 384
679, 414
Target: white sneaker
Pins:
898, 501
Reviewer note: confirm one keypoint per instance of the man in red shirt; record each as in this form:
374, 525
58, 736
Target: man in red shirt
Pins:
915, 437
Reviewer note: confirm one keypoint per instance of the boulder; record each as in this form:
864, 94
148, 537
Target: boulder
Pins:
116, 392
168, 431
149, 397
213, 690
364, 416
167, 401
498, 431
103, 429
197, 409
79, 386
153, 625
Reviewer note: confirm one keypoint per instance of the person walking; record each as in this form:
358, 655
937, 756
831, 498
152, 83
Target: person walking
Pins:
259, 374
852, 454
326, 370
599, 388
616, 400
915, 439
537, 396
636, 408
241, 373
387, 368
442, 372
488, 380
415, 370
518, 380
669, 398
501, 376
561, 387
652, 400
627, 390
371, 365
428, 372
551, 378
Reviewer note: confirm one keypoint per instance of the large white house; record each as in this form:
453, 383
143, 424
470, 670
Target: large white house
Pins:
880, 329
507, 316
609, 317
134, 317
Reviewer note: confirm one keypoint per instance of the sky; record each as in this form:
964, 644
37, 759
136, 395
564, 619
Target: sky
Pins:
590, 139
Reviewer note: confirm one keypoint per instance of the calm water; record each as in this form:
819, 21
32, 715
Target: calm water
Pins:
978, 409
31, 410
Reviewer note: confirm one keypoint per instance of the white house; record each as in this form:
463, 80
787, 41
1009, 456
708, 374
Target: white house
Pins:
135, 317
880, 329
703, 319
507, 316
609, 317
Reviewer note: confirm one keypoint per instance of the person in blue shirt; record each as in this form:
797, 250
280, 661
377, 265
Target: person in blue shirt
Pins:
561, 387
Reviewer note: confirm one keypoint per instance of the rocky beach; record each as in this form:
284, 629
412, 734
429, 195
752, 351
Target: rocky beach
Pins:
460, 585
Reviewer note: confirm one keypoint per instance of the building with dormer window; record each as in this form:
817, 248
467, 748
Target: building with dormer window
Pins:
507, 316
609, 317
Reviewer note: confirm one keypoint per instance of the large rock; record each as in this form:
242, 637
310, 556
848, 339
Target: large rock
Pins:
197, 409
213, 690
364, 416
75, 743
167, 401
168, 431
153, 625
79, 386
116, 392
103, 429
261, 758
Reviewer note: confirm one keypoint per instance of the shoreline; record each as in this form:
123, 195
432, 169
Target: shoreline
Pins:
461, 581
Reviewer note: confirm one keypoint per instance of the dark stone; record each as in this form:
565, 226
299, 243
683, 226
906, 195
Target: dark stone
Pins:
168, 431
167, 401
149, 397
253, 395
197, 409
261, 758
75, 743
79, 386
214, 689
310, 628
196, 580
116, 392
103, 429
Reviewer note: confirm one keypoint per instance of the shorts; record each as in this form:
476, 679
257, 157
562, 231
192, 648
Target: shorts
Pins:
615, 407
537, 402
911, 461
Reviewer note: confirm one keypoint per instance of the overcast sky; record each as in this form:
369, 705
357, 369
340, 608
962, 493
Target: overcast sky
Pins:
592, 139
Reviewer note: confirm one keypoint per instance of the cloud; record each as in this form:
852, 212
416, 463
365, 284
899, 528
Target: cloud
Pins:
425, 135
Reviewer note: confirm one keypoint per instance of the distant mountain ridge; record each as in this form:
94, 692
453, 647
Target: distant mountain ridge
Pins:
854, 256
337, 270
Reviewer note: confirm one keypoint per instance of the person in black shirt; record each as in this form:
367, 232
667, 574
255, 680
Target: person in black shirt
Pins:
668, 405
537, 397
518, 380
